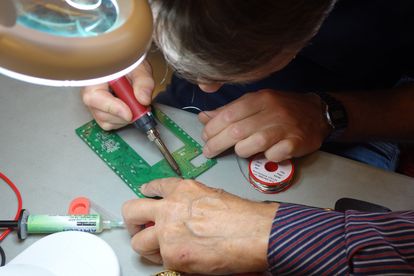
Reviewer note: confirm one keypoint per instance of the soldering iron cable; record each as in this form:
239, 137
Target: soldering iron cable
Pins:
19, 202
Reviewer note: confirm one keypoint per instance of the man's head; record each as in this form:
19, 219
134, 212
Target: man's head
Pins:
232, 41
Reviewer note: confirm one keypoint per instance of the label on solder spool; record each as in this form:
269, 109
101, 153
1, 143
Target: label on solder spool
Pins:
268, 176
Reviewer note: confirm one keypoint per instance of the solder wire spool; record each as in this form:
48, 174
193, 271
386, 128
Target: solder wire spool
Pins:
268, 176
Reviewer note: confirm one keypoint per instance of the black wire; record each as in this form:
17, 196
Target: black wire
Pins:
3, 257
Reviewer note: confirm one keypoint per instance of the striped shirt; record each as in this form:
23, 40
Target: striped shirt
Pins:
311, 241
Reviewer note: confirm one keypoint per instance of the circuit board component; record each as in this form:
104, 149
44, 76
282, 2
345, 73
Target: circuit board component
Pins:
130, 166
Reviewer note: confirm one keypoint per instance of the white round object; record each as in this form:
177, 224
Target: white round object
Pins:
65, 254
24, 270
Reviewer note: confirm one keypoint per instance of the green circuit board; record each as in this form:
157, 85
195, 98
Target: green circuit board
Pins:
130, 166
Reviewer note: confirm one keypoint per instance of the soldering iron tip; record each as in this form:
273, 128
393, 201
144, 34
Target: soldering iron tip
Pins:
178, 172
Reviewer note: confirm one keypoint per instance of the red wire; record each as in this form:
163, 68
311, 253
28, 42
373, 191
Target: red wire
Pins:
19, 203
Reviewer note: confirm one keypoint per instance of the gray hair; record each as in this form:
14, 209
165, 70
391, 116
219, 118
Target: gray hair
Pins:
220, 39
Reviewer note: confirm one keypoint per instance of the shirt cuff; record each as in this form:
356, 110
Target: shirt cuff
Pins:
307, 240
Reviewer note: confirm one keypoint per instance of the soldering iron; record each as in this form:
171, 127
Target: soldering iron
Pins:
142, 118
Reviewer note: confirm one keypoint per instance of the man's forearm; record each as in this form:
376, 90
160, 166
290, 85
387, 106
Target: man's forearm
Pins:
373, 115
313, 241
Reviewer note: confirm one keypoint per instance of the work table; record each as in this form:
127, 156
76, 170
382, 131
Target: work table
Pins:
51, 165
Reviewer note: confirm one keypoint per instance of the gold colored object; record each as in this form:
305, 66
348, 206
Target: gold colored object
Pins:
169, 273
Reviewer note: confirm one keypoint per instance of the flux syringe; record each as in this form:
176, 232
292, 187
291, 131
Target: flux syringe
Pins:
46, 224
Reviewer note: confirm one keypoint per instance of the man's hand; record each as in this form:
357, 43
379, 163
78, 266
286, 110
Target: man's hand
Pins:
199, 229
282, 125
109, 111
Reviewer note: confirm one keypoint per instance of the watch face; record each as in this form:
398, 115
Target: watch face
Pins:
338, 118
335, 115
335, 111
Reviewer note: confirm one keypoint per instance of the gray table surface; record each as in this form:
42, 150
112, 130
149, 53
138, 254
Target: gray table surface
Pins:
51, 165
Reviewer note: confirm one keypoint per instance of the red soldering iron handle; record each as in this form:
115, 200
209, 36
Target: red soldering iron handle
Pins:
123, 90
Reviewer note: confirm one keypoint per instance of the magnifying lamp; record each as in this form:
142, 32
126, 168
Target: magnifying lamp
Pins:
73, 42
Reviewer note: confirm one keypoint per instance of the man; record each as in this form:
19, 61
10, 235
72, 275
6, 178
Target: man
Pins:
343, 84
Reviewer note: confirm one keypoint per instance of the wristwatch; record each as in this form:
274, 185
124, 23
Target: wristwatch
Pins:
335, 115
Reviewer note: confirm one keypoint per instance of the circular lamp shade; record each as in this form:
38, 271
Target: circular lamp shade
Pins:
73, 42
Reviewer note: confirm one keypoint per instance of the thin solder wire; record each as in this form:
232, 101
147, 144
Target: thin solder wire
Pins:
261, 187
238, 159
153, 50
192, 106
163, 80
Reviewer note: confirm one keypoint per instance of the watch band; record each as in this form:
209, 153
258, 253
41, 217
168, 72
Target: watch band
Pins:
335, 114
